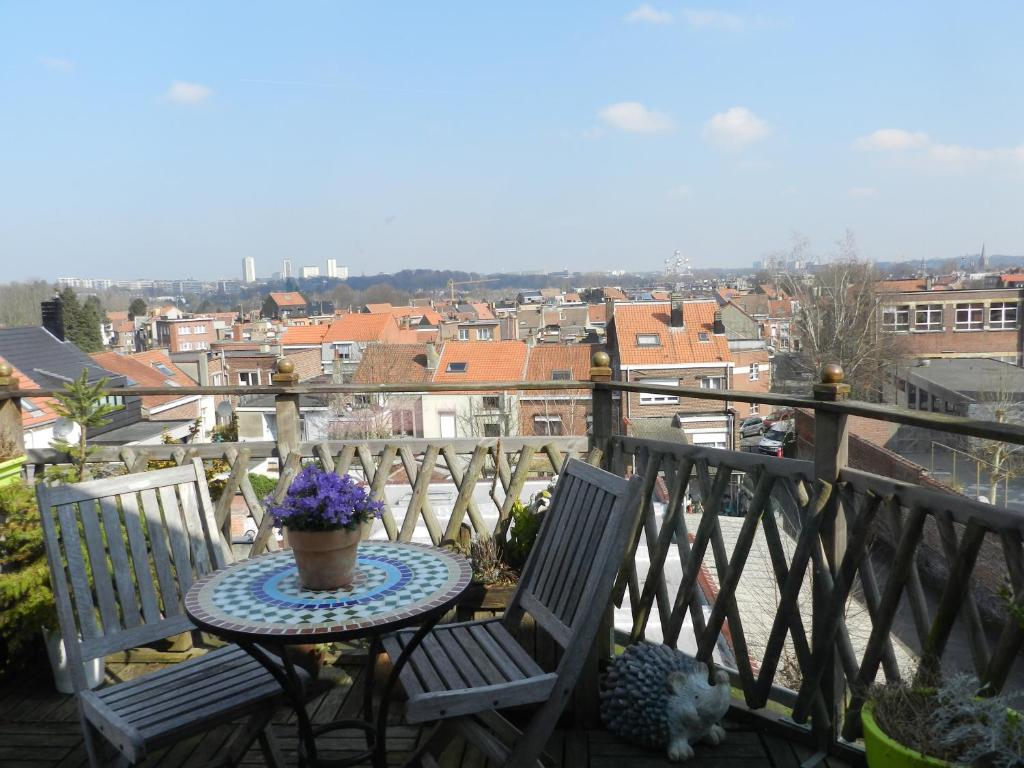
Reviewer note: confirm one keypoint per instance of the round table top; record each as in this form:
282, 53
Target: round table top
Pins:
396, 584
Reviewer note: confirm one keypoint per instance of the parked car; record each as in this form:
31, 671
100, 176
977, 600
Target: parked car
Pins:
779, 440
752, 426
786, 414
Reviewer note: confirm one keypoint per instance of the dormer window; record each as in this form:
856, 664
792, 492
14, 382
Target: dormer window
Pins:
562, 375
648, 340
457, 367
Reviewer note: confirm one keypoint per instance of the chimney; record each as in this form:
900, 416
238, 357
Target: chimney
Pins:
928, 283
432, 357
676, 302
609, 310
53, 317
719, 326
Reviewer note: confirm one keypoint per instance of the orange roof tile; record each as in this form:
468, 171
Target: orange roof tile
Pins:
596, 313
288, 299
545, 358
614, 293
677, 346
295, 335
116, 315
29, 418
361, 327
483, 312
484, 360
142, 369
379, 309
392, 364
1012, 278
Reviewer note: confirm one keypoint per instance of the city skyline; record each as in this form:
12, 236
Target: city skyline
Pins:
582, 136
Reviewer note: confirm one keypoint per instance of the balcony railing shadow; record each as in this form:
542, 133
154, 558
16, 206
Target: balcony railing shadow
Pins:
807, 579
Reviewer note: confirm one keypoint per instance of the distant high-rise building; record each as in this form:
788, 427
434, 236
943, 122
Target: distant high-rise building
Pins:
286, 268
332, 267
341, 273
248, 270
309, 271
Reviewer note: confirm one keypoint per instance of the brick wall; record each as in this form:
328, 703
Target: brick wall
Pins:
685, 377
572, 412
178, 413
742, 381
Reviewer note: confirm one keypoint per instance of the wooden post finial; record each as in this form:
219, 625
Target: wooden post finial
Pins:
832, 386
284, 372
7, 376
600, 366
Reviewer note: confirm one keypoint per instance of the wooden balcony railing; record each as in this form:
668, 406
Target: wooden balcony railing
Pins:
831, 579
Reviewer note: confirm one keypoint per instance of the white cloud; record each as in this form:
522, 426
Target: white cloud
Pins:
892, 139
709, 19
57, 64
734, 129
861, 193
680, 192
648, 15
181, 92
634, 117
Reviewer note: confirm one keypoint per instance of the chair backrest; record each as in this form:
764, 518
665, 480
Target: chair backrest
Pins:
123, 552
568, 578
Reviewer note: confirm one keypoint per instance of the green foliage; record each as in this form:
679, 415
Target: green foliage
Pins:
26, 602
82, 403
137, 308
262, 485
521, 535
226, 433
82, 321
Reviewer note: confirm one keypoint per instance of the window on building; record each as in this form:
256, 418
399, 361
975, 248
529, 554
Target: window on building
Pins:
755, 372
703, 336
249, 378
970, 317
548, 425
485, 334
199, 329
755, 408
185, 346
363, 400
344, 351
163, 369
31, 408
184, 330
712, 382
492, 430
457, 367
651, 398
561, 375
648, 340
896, 319
463, 334
911, 396
928, 317
1002, 315
492, 402
950, 407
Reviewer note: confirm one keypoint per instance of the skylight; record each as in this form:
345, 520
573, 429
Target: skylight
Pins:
163, 369
457, 367
561, 375
648, 340
703, 336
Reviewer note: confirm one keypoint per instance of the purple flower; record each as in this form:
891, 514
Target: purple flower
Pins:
323, 501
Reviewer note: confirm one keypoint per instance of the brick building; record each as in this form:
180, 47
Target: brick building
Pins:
674, 344
187, 334
155, 369
954, 323
556, 412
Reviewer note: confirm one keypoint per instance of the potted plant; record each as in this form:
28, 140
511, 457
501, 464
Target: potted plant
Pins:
323, 515
941, 722
27, 606
11, 460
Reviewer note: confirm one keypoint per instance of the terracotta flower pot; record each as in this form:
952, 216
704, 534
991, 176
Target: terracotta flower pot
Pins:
326, 559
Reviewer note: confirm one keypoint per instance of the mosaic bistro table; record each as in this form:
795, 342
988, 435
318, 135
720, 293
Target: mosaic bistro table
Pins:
260, 604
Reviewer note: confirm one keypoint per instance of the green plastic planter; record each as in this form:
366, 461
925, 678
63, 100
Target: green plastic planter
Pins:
884, 752
10, 470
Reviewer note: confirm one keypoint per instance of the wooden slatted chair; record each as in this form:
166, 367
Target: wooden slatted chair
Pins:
123, 552
462, 673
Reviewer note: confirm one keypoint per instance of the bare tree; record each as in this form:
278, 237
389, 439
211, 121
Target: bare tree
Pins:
837, 315
998, 398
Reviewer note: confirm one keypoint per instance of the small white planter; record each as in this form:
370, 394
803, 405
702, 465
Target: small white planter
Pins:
94, 669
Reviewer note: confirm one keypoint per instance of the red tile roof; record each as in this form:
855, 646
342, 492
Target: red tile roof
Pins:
392, 364
614, 293
483, 312
141, 368
677, 346
596, 313
545, 358
295, 335
288, 299
380, 309
485, 361
1015, 278
361, 327
45, 405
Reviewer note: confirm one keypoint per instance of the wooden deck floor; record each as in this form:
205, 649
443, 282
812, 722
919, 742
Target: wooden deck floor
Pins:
39, 729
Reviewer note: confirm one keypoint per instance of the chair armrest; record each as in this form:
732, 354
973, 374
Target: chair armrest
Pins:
114, 728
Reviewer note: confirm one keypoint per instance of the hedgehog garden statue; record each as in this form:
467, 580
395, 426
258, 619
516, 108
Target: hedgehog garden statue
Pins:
659, 697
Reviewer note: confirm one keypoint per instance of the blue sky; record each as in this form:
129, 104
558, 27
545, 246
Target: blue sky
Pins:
143, 140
